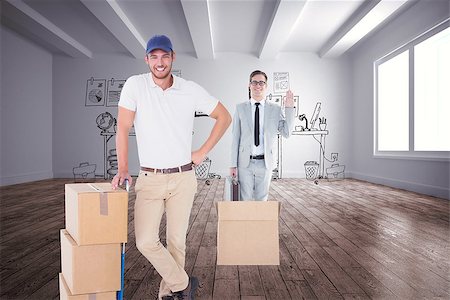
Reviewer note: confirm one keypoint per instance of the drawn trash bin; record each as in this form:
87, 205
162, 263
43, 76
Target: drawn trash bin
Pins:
202, 170
311, 169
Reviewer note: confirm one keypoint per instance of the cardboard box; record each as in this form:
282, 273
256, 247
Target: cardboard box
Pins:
96, 214
65, 294
91, 268
247, 233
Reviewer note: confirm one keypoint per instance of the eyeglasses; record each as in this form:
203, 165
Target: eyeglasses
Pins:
255, 83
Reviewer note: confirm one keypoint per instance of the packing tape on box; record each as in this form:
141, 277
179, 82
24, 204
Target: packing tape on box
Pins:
92, 297
103, 200
103, 204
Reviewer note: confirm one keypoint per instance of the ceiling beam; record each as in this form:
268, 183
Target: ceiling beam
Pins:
368, 16
41, 27
115, 20
284, 20
199, 23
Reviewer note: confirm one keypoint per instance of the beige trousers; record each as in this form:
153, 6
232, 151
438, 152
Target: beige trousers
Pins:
173, 193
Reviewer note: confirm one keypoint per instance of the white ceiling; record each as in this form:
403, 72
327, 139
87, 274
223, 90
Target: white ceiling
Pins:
198, 28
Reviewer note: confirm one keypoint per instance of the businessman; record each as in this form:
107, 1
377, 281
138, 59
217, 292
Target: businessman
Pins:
256, 125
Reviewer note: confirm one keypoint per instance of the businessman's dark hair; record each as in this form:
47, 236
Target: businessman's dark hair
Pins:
254, 73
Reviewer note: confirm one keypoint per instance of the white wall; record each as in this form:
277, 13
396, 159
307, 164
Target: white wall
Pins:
430, 177
46, 129
77, 139
26, 110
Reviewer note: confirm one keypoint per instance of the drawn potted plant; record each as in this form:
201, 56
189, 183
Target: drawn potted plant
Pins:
322, 123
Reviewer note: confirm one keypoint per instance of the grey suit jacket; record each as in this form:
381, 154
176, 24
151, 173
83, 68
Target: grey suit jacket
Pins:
274, 123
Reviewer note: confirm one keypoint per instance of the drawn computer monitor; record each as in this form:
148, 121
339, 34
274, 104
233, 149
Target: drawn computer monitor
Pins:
315, 115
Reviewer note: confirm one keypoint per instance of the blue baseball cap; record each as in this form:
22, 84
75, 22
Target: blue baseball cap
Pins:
159, 42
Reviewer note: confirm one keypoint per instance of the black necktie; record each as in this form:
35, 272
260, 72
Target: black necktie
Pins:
257, 124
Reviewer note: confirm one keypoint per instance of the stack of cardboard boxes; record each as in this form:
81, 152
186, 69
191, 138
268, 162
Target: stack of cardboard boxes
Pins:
96, 225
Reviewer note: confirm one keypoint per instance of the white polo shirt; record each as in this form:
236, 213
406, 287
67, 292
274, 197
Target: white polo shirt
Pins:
164, 120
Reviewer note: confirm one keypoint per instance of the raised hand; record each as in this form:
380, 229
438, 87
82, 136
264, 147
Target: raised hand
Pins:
289, 99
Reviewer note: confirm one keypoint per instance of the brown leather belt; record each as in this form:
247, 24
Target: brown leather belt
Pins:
184, 168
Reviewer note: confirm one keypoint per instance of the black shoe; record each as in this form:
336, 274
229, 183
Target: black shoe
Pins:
167, 297
189, 292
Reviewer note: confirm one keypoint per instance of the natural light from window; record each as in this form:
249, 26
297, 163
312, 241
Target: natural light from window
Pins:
432, 93
393, 104
412, 98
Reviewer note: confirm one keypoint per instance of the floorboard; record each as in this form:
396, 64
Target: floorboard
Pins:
341, 239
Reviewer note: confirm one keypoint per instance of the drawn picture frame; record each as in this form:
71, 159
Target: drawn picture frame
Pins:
114, 90
95, 92
274, 98
280, 82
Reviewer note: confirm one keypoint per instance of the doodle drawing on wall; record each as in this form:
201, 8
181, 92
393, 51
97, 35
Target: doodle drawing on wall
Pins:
316, 170
202, 171
277, 100
335, 171
274, 98
105, 121
112, 165
177, 73
84, 170
114, 90
311, 125
200, 114
280, 82
95, 92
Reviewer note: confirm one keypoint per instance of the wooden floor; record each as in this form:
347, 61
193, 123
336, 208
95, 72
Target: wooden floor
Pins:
344, 239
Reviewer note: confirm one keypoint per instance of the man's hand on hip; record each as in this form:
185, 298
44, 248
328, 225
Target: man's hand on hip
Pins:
197, 157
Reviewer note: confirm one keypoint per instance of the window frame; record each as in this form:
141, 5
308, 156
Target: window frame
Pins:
411, 154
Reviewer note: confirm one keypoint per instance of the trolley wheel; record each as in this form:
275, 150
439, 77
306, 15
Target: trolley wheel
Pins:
316, 181
208, 182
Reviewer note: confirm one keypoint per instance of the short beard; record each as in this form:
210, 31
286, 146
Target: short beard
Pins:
161, 77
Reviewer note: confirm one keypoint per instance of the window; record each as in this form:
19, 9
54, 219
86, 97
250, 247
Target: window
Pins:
393, 104
412, 98
432, 93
